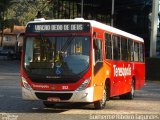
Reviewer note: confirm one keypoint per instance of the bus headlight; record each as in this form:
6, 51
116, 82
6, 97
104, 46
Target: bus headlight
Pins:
84, 84
25, 84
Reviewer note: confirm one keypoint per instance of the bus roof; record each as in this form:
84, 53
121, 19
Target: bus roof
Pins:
94, 24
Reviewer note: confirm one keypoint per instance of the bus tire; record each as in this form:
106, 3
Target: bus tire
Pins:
48, 104
102, 103
129, 95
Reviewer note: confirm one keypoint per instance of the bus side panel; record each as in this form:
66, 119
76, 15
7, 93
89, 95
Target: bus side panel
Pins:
98, 83
139, 75
121, 77
108, 75
99, 69
99, 80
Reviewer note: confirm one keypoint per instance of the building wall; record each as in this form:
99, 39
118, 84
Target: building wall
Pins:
9, 40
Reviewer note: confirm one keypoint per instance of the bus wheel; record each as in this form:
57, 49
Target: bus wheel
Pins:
129, 95
48, 104
101, 103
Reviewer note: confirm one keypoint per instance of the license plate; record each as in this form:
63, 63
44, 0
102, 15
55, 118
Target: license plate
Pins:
53, 99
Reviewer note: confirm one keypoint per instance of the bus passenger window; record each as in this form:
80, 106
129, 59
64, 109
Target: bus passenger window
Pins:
108, 46
136, 51
116, 47
141, 55
130, 50
124, 52
98, 50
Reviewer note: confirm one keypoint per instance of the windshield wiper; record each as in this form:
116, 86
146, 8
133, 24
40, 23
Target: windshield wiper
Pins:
67, 44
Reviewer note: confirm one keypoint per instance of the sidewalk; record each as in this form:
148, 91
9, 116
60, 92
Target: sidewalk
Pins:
3, 58
153, 81
9, 67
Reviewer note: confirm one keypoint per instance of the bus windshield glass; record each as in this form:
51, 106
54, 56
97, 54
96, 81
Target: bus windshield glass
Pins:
67, 55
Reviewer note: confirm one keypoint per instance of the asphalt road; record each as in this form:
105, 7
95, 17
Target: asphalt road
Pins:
146, 104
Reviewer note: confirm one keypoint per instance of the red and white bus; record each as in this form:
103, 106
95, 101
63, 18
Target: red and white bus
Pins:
79, 60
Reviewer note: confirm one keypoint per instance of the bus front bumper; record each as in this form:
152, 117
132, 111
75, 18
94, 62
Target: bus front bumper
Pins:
63, 96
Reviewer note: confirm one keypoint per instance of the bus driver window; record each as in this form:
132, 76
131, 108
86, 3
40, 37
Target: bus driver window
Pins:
97, 50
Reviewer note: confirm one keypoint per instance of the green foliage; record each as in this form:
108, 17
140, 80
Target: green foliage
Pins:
24, 11
4, 5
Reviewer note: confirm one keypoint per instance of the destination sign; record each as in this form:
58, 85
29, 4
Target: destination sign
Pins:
57, 27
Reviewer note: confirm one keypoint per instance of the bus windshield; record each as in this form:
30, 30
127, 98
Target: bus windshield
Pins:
49, 56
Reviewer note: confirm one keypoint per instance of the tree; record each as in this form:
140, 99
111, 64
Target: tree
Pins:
27, 10
4, 5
